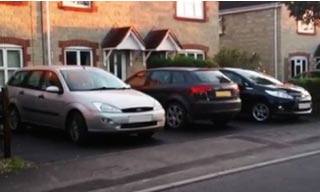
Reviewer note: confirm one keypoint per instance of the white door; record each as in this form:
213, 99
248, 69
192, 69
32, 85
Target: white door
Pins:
299, 64
118, 64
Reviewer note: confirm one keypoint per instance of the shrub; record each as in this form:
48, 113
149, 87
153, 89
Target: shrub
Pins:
310, 84
179, 61
238, 58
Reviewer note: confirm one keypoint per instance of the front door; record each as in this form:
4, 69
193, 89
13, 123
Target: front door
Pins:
118, 63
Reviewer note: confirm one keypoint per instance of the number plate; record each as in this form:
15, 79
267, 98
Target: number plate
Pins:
139, 118
223, 93
304, 105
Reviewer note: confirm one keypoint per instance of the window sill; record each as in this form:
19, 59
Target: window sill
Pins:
14, 3
191, 19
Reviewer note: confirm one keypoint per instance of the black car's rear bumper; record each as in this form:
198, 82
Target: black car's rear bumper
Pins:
214, 109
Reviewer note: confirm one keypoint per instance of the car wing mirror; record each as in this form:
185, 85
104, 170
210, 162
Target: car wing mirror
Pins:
53, 89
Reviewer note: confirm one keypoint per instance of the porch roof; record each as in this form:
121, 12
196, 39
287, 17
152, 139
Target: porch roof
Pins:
123, 38
162, 40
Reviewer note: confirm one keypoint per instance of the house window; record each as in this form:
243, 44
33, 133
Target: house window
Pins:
221, 25
10, 61
195, 54
190, 9
299, 64
317, 60
81, 56
306, 28
78, 4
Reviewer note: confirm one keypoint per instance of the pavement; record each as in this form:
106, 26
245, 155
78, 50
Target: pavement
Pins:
145, 168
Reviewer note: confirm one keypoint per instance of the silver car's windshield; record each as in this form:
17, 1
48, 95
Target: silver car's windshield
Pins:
91, 80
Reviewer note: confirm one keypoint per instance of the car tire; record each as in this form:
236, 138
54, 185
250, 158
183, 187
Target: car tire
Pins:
14, 118
77, 128
145, 135
176, 116
260, 112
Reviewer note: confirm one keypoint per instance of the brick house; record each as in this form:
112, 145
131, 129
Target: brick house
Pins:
117, 36
285, 46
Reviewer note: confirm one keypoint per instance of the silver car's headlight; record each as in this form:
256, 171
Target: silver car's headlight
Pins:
106, 108
157, 106
279, 94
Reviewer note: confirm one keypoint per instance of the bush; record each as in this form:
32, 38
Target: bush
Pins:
310, 84
179, 61
238, 58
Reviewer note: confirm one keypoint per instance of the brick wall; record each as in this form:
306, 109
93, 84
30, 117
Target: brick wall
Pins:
253, 32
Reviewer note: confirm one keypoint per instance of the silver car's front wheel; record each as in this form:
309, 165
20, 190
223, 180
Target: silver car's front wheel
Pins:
260, 112
175, 116
77, 128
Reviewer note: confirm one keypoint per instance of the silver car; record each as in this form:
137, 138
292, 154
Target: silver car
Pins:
80, 100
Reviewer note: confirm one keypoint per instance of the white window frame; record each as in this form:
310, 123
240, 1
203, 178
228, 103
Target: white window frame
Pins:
196, 12
196, 53
304, 28
75, 4
295, 59
5, 68
78, 49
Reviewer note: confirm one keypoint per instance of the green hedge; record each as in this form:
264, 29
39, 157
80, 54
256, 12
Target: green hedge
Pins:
179, 61
310, 84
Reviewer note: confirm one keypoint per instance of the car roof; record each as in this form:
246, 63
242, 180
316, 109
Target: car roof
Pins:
180, 69
56, 67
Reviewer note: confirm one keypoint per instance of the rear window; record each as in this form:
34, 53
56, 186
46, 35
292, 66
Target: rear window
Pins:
212, 77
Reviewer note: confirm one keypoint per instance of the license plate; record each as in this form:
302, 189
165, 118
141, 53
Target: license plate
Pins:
139, 118
223, 93
304, 105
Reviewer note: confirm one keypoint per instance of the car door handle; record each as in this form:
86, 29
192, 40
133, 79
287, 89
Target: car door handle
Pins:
41, 97
21, 92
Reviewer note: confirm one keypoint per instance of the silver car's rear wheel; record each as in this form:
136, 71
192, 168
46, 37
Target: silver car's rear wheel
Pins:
175, 116
77, 128
14, 119
260, 112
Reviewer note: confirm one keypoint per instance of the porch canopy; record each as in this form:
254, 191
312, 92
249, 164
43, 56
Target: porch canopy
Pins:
161, 40
123, 38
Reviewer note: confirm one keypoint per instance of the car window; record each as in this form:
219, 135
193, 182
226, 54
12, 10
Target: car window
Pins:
260, 78
235, 78
211, 76
91, 80
159, 78
33, 80
18, 78
138, 79
178, 78
50, 79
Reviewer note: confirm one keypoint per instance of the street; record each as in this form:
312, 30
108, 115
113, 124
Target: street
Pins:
125, 163
294, 176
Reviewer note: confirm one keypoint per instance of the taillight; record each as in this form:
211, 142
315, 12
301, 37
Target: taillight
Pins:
235, 87
200, 89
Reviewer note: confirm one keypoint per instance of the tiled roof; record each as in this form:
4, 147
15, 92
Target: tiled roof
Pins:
116, 35
237, 4
154, 38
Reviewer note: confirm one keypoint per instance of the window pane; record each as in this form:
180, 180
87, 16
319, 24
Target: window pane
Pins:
14, 59
178, 78
159, 78
71, 58
50, 79
215, 77
198, 9
34, 80
18, 78
1, 58
85, 58
1, 78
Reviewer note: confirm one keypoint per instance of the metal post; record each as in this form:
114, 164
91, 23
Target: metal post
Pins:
6, 127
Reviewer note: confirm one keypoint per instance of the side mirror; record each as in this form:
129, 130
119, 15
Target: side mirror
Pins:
53, 89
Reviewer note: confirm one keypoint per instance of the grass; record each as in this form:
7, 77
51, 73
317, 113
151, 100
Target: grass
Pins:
13, 164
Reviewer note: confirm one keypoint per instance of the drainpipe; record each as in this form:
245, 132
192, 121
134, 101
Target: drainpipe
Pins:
42, 34
48, 33
275, 41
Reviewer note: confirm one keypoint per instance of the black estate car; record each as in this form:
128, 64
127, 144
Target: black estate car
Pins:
263, 96
189, 94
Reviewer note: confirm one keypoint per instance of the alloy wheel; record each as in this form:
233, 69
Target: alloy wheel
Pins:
260, 112
175, 116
